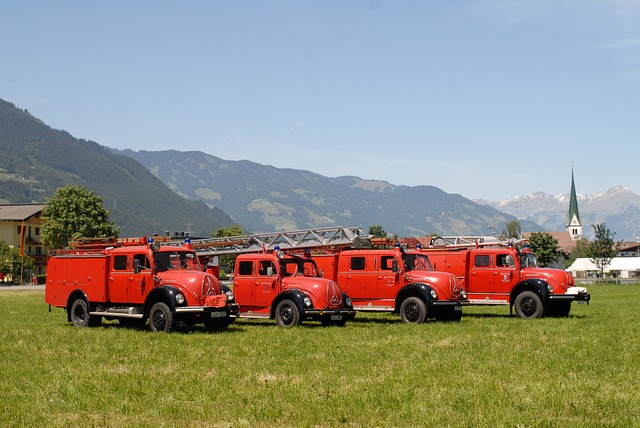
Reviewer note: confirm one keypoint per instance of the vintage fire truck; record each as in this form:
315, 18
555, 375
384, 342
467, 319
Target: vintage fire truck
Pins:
135, 280
271, 281
395, 280
502, 274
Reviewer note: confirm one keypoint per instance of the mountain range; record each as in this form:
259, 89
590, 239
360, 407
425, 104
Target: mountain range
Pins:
618, 208
195, 192
265, 198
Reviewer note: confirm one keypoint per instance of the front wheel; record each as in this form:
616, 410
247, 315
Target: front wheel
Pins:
161, 318
413, 310
287, 314
79, 315
528, 305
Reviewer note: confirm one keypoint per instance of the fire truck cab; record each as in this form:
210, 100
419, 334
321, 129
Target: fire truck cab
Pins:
127, 280
507, 276
395, 280
289, 288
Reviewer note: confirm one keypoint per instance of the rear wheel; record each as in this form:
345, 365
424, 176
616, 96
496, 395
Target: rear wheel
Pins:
80, 317
287, 314
528, 305
161, 318
413, 310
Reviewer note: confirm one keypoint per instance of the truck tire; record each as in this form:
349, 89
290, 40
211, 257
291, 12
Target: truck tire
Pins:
528, 305
80, 317
287, 314
161, 318
413, 310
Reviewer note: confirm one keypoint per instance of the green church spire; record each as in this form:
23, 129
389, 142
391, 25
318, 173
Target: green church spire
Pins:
574, 226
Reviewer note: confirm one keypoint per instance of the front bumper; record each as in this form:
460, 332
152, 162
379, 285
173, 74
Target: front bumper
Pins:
230, 310
333, 314
455, 303
573, 294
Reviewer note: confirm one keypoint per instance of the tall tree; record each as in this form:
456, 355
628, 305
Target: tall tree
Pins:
512, 230
227, 262
377, 231
12, 264
74, 212
602, 249
545, 247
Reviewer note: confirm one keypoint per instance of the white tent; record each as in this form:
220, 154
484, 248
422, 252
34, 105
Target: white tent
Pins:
620, 267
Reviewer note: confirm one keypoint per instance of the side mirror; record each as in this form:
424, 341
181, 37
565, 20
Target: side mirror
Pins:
136, 266
394, 265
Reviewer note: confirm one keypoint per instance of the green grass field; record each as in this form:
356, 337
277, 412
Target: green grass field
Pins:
491, 369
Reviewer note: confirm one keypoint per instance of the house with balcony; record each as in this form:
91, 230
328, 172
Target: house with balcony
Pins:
20, 227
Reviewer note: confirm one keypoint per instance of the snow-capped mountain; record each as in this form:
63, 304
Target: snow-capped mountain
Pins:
618, 208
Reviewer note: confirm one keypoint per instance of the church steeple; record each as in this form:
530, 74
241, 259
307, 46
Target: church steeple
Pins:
574, 227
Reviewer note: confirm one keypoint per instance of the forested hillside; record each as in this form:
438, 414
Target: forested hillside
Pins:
266, 198
37, 159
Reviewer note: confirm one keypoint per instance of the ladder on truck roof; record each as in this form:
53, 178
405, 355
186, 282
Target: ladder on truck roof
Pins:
338, 236
444, 242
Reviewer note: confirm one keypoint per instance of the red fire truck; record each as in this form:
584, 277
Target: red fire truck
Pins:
271, 281
134, 280
395, 280
505, 275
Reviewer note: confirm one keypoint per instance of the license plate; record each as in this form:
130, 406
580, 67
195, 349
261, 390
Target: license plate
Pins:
218, 314
336, 317
457, 308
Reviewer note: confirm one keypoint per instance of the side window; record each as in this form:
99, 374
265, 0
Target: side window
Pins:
481, 261
245, 268
504, 260
142, 260
357, 263
386, 262
120, 263
264, 268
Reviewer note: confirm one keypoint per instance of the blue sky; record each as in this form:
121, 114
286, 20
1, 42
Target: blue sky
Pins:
488, 99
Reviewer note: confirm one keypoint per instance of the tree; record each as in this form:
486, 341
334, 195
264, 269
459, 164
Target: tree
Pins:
581, 251
12, 264
223, 232
226, 263
377, 231
545, 247
74, 212
602, 249
512, 230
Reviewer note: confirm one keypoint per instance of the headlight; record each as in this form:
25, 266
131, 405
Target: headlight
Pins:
550, 288
179, 298
229, 295
348, 303
463, 294
307, 301
433, 293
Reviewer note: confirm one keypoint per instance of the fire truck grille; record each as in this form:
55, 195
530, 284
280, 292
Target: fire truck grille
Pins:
334, 295
208, 287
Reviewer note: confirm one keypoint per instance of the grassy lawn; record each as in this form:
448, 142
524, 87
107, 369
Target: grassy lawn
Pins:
491, 369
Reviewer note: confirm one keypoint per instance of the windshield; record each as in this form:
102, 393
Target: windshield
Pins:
416, 262
299, 267
528, 260
176, 260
